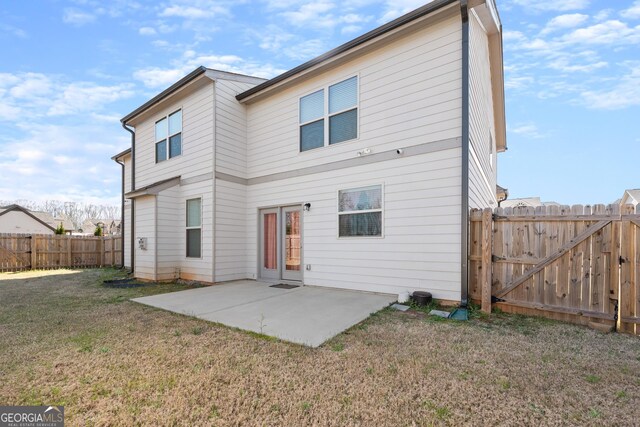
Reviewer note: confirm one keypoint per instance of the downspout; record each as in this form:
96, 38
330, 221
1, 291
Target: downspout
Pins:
464, 205
122, 226
133, 187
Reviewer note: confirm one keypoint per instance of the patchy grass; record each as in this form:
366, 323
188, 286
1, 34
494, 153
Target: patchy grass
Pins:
68, 340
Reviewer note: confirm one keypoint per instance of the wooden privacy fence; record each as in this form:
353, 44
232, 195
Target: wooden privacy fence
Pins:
41, 251
574, 263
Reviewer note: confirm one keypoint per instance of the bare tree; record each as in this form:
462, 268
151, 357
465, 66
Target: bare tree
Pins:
77, 213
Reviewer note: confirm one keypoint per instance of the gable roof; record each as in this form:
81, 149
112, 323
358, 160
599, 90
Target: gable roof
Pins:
376, 32
631, 194
201, 70
35, 215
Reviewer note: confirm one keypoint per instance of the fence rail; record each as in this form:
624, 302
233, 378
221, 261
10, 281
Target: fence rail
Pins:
40, 251
575, 263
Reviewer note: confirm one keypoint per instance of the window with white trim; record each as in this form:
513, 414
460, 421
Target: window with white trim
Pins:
169, 136
360, 212
329, 115
194, 228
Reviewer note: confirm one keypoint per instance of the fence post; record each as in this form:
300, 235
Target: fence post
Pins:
34, 258
627, 267
486, 259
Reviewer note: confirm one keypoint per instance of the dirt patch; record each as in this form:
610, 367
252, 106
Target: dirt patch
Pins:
68, 340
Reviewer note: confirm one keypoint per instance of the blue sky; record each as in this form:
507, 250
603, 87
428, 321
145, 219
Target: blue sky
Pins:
71, 69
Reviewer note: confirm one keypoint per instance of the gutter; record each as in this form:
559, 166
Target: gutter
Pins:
122, 225
133, 186
464, 202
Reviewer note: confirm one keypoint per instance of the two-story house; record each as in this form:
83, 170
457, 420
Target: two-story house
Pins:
354, 170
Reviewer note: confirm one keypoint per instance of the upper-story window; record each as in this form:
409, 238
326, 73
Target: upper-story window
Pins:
169, 136
329, 115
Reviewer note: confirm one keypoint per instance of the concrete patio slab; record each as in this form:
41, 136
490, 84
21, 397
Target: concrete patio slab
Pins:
305, 315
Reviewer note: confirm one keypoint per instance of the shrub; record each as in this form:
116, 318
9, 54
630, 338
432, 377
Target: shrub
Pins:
59, 229
98, 231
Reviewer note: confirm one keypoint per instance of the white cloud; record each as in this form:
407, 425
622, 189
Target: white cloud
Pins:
633, 12
84, 97
312, 14
608, 32
563, 64
305, 50
553, 5
564, 21
15, 31
624, 93
396, 8
147, 31
57, 162
77, 17
156, 77
200, 11
36, 95
527, 130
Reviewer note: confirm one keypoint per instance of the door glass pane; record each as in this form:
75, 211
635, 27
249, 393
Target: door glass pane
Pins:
292, 241
270, 241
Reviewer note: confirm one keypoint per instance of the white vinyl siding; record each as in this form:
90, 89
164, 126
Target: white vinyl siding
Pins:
197, 138
421, 245
231, 232
482, 173
145, 227
231, 128
410, 93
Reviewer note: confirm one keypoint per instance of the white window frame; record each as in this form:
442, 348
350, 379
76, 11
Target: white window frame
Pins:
381, 210
326, 116
168, 137
186, 219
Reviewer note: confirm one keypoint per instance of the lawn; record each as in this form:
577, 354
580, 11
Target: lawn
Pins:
67, 340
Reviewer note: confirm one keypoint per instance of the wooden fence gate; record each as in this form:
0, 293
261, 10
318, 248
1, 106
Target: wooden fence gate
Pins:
579, 264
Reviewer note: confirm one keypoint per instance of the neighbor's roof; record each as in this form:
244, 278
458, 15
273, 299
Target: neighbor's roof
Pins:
154, 188
633, 193
398, 22
35, 215
121, 154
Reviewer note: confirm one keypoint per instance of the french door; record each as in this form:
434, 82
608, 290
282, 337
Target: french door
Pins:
281, 243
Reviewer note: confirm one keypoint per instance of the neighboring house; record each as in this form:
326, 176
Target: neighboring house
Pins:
110, 227
631, 197
526, 201
354, 170
16, 219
